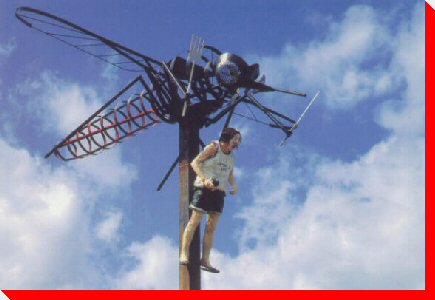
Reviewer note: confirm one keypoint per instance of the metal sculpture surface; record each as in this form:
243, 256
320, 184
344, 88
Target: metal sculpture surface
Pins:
202, 88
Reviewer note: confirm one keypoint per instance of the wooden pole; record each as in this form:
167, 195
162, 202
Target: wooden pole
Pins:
190, 275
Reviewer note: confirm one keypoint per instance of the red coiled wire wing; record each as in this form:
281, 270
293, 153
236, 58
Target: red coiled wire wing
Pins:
109, 125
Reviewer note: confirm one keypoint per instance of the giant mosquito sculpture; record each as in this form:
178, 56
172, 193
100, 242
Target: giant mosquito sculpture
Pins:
195, 92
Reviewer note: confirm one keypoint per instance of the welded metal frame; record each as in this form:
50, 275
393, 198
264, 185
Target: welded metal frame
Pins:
209, 100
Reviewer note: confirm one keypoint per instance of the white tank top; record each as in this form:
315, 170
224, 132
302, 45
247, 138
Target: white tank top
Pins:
219, 166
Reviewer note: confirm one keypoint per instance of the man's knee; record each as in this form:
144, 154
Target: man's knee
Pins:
194, 220
210, 228
211, 223
192, 224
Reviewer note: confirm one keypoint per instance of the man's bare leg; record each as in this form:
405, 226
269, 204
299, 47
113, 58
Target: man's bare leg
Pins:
210, 228
189, 231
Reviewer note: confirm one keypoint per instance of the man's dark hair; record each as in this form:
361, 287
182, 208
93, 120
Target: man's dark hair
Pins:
227, 134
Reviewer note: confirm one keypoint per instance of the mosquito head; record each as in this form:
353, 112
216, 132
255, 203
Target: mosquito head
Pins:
232, 71
229, 68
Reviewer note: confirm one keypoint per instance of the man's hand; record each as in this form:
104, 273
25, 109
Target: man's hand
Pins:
208, 183
235, 189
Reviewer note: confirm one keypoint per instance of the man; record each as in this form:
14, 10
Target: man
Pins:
214, 168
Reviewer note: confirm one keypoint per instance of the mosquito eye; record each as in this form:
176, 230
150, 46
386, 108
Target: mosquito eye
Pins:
228, 69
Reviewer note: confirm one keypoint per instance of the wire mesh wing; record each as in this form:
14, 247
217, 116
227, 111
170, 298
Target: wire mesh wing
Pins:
86, 41
274, 118
109, 125
277, 119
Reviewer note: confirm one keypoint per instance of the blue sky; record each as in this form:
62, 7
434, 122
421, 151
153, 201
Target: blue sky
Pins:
341, 206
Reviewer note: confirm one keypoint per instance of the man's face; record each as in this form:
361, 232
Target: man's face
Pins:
235, 141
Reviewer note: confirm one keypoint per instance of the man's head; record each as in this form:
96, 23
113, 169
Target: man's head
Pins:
231, 137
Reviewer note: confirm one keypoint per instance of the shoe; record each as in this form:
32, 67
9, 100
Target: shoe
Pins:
209, 269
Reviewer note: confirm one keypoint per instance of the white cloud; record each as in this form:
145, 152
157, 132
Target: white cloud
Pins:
156, 266
244, 129
60, 105
361, 226
271, 209
7, 49
107, 169
42, 228
110, 73
239, 173
48, 240
46, 212
107, 229
338, 64
407, 117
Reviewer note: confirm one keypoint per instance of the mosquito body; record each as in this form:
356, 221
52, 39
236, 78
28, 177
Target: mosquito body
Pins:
200, 90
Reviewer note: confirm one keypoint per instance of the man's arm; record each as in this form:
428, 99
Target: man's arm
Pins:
233, 182
209, 151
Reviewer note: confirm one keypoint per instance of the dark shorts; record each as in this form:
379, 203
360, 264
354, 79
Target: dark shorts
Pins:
206, 200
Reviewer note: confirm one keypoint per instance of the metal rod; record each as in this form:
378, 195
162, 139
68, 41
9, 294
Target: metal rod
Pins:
295, 125
267, 112
289, 92
275, 112
174, 164
306, 108
231, 112
173, 78
223, 112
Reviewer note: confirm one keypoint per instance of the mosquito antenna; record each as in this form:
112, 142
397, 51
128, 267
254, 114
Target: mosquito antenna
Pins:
296, 124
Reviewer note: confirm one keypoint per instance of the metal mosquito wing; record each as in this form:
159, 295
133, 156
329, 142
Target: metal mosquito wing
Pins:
109, 125
86, 41
273, 118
